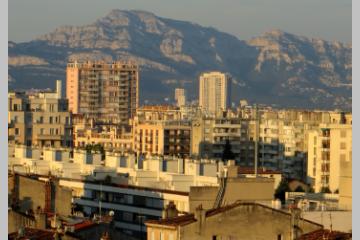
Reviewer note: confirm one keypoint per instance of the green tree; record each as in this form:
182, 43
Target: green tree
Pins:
299, 189
227, 152
325, 190
97, 148
281, 190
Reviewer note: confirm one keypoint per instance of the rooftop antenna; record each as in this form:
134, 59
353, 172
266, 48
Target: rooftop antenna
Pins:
100, 200
330, 222
256, 139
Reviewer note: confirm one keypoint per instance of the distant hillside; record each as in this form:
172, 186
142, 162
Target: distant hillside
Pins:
276, 67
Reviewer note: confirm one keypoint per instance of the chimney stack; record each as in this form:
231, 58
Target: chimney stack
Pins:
58, 89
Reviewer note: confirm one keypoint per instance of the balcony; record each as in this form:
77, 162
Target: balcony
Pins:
49, 137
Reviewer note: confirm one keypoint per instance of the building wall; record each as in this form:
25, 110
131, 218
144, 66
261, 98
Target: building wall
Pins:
260, 190
17, 220
327, 148
162, 137
63, 200
31, 193
107, 92
72, 89
163, 233
40, 119
345, 184
214, 92
245, 222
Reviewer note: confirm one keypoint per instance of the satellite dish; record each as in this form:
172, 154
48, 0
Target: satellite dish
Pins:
111, 213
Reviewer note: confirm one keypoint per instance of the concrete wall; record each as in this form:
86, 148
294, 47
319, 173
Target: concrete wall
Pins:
63, 198
31, 193
260, 190
345, 185
337, 220
17, 220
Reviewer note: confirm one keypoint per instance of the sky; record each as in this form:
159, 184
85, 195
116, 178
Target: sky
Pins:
326, 19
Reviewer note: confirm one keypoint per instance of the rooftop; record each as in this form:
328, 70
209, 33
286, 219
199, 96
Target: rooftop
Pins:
326, 234
32, 233
249, 170
190, 218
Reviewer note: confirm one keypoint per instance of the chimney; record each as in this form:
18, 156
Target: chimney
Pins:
170, 211
40, 219
200, 218
58, 89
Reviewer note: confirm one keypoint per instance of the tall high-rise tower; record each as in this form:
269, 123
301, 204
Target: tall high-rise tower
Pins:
107, 92
214, 91
180, 97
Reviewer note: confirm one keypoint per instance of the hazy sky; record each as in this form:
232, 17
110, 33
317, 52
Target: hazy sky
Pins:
327, 19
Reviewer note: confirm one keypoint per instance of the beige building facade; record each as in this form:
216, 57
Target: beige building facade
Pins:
180, 97
329, 149
39, 119
214, 92
240, 221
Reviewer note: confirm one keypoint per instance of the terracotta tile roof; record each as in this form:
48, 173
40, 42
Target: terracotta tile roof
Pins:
32, 233
176, 221
190, 218
249, 170
84, 225
326, 234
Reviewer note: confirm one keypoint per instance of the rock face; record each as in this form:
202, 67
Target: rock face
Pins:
276, 67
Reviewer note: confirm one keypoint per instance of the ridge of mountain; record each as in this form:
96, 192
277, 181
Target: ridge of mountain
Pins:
276, 67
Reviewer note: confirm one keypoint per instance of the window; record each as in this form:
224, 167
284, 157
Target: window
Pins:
17, 131
343, 134
342, 157
343, 145
51, 119
128, 217
279, 237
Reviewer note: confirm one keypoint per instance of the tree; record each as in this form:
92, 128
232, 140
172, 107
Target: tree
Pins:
282, 189
97, 148
299, 189
227, 152
325, 190
311, 190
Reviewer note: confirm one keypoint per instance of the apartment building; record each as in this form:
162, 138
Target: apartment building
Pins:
162, 137
209, 136
111, 137
180, 97
107, 92
214, 92
328, 147
39, 119
158, 112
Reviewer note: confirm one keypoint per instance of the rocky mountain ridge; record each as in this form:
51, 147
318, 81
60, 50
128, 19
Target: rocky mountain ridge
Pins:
277, 67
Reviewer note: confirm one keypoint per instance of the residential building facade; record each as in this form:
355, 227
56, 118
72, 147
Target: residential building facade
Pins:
39, 119
107, 92
214, 92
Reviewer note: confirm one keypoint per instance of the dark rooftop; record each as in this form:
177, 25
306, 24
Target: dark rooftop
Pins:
326, 234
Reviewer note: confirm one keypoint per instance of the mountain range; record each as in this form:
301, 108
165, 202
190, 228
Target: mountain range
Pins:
276, 67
